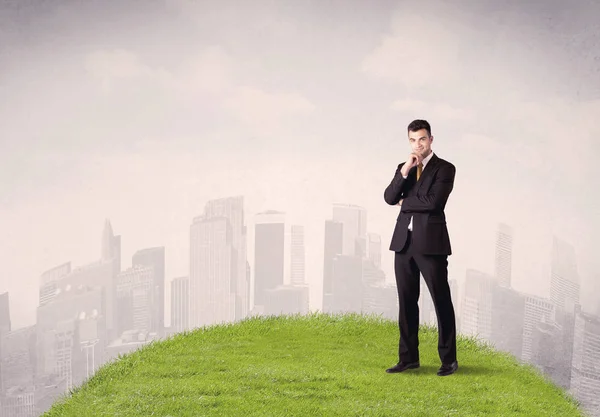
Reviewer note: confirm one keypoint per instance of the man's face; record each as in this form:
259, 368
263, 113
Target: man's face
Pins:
420, 142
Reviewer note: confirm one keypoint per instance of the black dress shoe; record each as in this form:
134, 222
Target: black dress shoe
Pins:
448, 368
403, 366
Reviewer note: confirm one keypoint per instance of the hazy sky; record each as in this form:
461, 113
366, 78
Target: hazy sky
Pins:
140, 112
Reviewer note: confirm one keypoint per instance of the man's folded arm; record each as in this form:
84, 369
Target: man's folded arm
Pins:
437, 196
393, 192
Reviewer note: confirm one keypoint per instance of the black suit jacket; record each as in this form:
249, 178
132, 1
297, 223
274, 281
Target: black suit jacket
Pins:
424, 200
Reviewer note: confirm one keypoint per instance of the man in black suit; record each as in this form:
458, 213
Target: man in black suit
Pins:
421, 187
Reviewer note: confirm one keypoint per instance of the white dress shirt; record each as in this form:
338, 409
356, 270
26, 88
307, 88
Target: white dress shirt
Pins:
425, 161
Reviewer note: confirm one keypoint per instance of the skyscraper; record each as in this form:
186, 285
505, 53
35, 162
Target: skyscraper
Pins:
232, 208
564, 281
49, 281
374, 249
332, 248
503, 263
5, 326
508, 313
154, 258
297, 256
585, 383
111, 258
269, 238
354, 219
180, 304
111, 246
476, 312
211, 272
137, 301
537, 309
218, 277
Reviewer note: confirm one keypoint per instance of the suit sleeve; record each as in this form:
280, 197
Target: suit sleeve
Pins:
393, 192
437, 197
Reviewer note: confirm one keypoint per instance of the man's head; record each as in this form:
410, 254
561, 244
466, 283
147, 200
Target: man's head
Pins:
419, 137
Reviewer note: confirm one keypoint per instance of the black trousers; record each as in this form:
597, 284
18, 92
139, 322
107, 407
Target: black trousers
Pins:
408, 266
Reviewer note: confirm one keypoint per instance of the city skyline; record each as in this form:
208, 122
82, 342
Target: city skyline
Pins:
149, 117
502, 264
144, 133
315, 283
76, 305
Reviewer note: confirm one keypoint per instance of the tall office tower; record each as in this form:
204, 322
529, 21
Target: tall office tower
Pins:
18, 358
136, 299
348, 286
298, 256
381, 299
504, 246
111, 246
543, 346
332, 248
218, 273
585, 382
476, 317
4, 329
287, 299
154, 258
232, 208
563, 334
374, 249
508, 313
17, 379
180, 304
564, 282
371, 275
5, 326
111, 255
49, 281
354, 219
62, 330
345, 235
269, 238
212, 274
537, 309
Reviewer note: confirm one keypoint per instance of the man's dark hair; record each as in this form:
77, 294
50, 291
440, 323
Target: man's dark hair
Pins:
419, 124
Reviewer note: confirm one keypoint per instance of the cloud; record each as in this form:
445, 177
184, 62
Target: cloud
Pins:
266, 111
209, 72
119, 65
209, 77
442, 51
563, 132
419, 52
486, 87
436, 111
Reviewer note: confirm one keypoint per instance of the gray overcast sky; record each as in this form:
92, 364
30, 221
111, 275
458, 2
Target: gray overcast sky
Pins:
143, 111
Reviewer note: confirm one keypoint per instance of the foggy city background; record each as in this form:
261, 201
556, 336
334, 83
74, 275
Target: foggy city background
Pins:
144, 144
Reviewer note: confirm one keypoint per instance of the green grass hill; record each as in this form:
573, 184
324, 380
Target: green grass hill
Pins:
314, 365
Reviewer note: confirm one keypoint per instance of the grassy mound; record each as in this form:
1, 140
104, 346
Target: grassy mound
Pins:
327, 365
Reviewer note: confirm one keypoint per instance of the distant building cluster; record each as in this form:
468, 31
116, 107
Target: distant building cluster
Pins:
553, 334
89, 315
